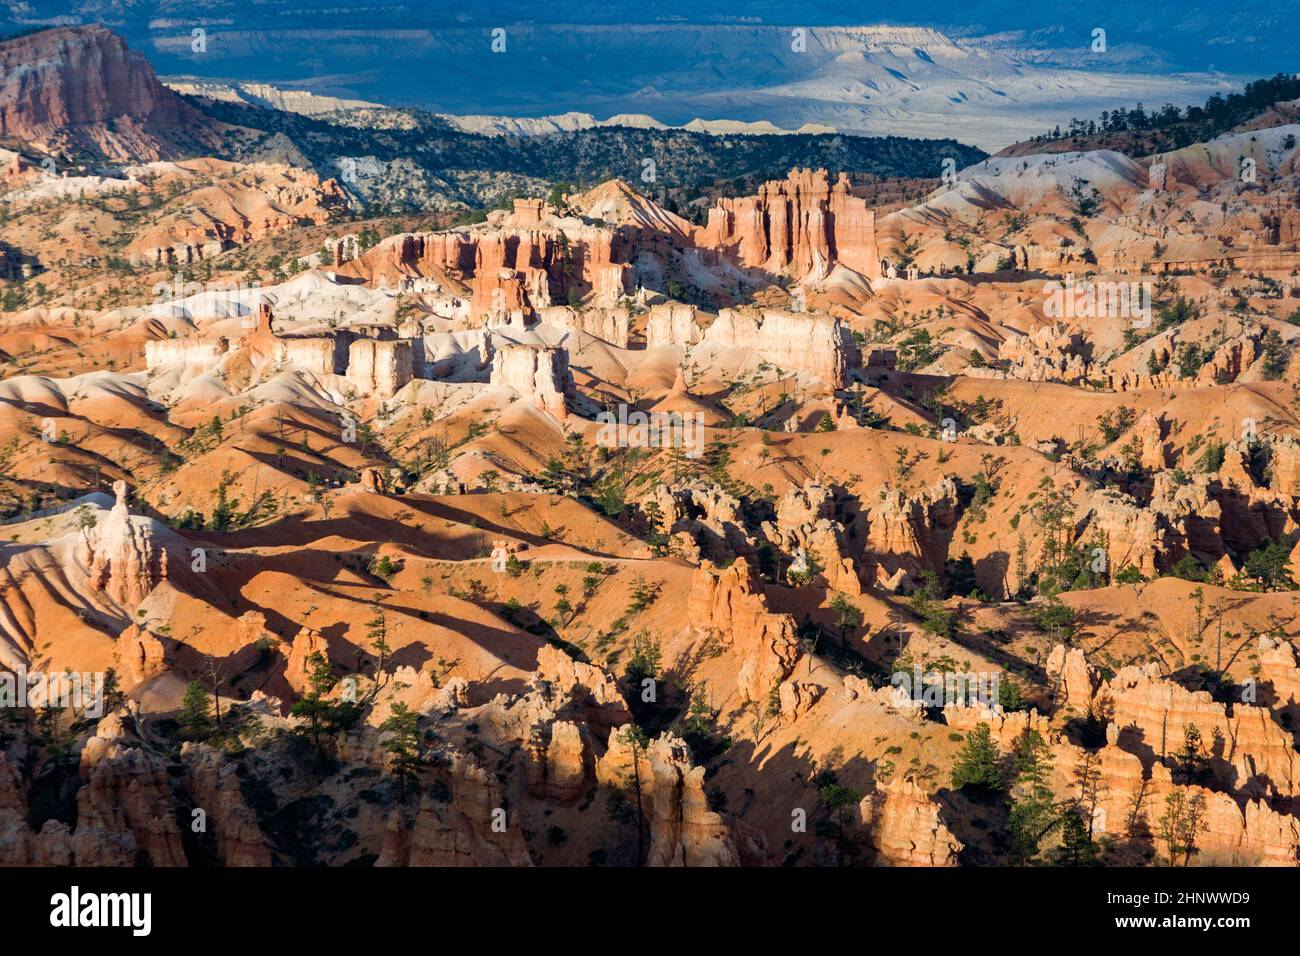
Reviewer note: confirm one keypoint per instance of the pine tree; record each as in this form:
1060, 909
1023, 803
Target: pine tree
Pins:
402, 744
699, 728
1092, 787
377, 632
961, 576
837, 799
639, 742
195, 710
977, 763
324, 717
1033, 811
847, 618
1191, 759
1180, 824
1077, 846
1009, 695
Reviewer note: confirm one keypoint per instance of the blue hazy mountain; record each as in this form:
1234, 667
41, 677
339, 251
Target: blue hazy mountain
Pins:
986, 71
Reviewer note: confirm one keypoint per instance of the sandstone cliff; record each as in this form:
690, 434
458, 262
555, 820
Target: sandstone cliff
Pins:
78, 90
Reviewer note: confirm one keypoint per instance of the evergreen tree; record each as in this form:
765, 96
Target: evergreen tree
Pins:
195, 710
1033, 811
1180, 825
1191, 760
377, 632
977, 763
402, 744
961, 576
324, 717
838, 799
1077, 846
1268, 566
847, 618
1009, 695
1277, 355
639, 742
699, 729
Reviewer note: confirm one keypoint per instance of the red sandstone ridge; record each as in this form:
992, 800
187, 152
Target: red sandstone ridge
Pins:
232, 204
800, 226
614, 532
76, 90
505, 271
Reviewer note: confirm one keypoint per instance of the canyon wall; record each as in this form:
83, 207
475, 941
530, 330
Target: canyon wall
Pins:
800, 226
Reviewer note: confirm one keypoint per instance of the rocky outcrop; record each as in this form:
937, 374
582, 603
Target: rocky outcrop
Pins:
797, 698
379, 368
213, 785
453, 695
52, 846
1005, 727
1074, 684
473, 830
121, 554
801, 227
297, 669
229, 205
311, 354
894, 698
1049, 353
557, 758
1132, 800
73, 89
1279, 677
805, 521
1181, 517
123, 813
200, 352
11, 788
1248, 752
905, 531
1284, 465
593, 690
139, 655
506, 268
1149, 433
905, 827
540, 374
118, 807
528, 214
730, 605
607, 277
1229, 361
1245, 751
498, 287
817, 344
607, 324
672, 323
683, 830
19, 846
570, 708
708, 514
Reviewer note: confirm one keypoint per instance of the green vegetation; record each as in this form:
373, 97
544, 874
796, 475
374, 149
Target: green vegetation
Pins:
480, 170
1172, 128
